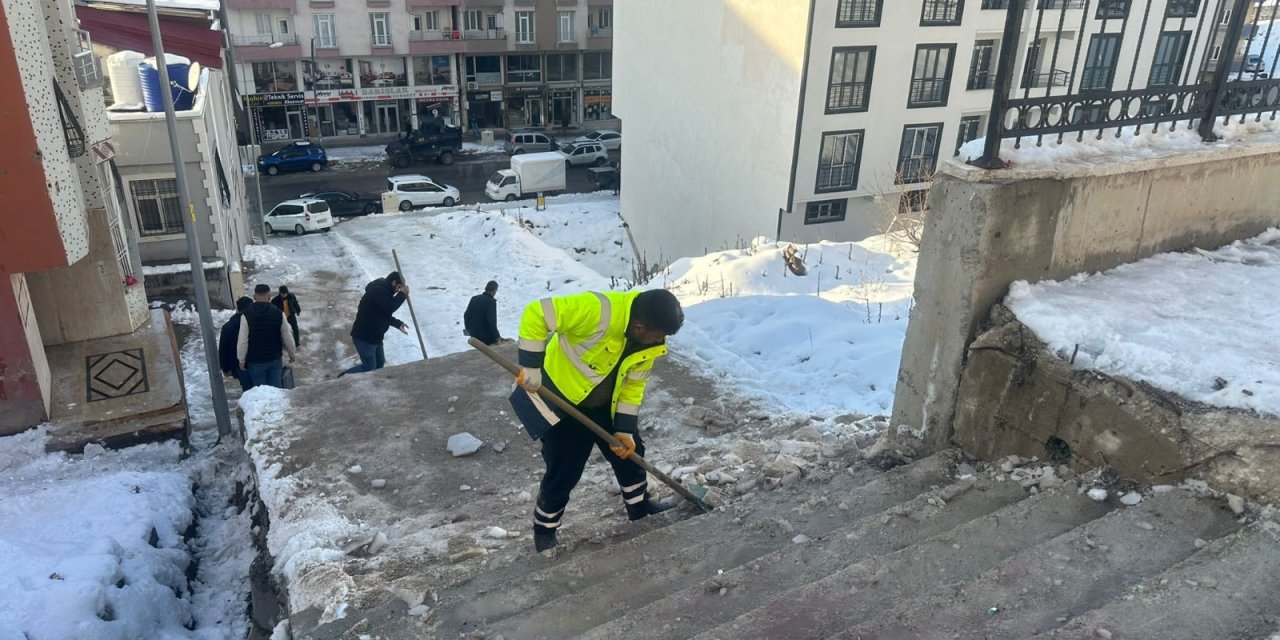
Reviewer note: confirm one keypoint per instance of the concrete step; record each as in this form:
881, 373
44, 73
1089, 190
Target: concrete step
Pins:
1229, 590
696, 608
869, 587
694, 547
1080, 570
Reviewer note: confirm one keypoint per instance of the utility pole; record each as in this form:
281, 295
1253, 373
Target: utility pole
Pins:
219, 393
315, 75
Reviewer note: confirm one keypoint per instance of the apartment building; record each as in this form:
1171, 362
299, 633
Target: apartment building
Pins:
817, 120
350, 68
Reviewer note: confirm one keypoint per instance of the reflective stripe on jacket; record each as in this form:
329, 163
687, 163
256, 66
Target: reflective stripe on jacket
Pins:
578, 339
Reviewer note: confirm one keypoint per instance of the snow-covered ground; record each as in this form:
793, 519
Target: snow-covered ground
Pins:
1199, 324
377, 153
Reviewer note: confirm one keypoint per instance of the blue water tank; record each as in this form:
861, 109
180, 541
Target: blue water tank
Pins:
149, 77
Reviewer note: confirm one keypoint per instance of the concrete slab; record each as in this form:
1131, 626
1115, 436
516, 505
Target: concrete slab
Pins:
321, 450
119, 390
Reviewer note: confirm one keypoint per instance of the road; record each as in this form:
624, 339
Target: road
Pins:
468, 175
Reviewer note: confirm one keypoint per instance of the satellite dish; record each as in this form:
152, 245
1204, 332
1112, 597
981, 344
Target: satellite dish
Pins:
193, 77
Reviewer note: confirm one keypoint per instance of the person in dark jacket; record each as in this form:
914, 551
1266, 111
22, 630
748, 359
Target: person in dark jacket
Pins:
287, 303
263, 339
481, 317
373, 317
227, 346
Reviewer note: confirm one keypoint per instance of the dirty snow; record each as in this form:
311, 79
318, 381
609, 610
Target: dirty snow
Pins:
1161, 321
184, 267
377, 153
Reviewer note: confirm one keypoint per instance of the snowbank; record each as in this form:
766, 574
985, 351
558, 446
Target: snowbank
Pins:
1199, 324
185, 267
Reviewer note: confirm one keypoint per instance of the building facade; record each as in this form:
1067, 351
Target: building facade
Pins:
822, 119
67, 271
320, 67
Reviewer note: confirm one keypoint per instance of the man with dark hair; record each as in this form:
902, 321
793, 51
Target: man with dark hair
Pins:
373, 317
287, 303
263, 338
481, 317
596, 350
227, 345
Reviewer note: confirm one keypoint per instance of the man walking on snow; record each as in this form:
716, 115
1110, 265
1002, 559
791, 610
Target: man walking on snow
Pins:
596, 350
373, 317
481, 317
263, 339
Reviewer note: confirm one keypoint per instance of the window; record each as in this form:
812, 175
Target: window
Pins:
931, 76
850, 83
1217, 52
526, 68
562, 66
156, 203
472, 19
858, 13
1224, 16
283, 25
918, 153
263, 21
1171, 51
430, 21
326, 37
838, 161
980, 66
1100, 62
1112, 9
970, 129
484, 69
566, 26
380, 29
524, 27
605, 21
224, 188
995, 4
821, 211
1182, 9
597, 65
936, 13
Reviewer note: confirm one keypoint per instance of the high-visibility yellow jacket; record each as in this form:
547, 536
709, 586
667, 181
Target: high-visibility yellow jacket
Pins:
578, 339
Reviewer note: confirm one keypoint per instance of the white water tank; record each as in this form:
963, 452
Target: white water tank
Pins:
122, 71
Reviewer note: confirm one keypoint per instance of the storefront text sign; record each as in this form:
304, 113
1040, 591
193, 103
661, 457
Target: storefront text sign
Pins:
283, 99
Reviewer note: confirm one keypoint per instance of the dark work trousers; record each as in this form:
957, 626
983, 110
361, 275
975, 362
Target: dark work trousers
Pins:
565, 449
293, 324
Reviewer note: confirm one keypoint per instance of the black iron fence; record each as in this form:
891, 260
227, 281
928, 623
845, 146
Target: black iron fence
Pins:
1076, 66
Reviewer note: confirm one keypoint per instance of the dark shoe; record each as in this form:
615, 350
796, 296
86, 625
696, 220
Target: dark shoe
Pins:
646, 508
544, 540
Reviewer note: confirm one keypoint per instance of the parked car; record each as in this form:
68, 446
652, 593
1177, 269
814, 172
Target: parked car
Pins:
420, 191
299, 156
439, 144
612, 140
347, 203
300, 216
528, 142
585, 154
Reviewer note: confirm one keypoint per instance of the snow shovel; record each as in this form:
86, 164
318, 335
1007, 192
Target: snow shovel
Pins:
692, 493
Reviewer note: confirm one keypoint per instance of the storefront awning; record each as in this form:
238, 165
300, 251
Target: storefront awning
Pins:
129, 30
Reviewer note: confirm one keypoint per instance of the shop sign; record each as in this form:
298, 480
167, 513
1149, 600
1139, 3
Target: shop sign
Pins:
282, 99
433, 91
481, 96
524, 91
595, 99
334, 95
496, 96
385, 93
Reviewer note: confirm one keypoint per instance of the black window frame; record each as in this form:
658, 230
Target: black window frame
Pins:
1182, 9
1089, 71
916, 200
870, 64
1112, 10
846, 8
861, 135
978, 80
968, 124
932, 18
1177, 67
909, 169
811, 208
995, 4
913, 101
163, 191
526, 73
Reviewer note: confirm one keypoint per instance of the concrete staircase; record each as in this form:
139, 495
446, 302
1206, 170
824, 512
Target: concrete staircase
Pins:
915, 552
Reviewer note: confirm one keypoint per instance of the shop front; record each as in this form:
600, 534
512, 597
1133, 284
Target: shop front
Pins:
278, 116
387, 109
338, 109
525, 107
484, 110
597, 104
563, 106
435, 104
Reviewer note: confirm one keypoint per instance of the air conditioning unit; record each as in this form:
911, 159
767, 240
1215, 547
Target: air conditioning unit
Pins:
471, 86
88, 68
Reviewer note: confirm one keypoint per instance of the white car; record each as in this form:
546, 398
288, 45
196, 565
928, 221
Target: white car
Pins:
420, 191
611, 140
585, 154
300, 216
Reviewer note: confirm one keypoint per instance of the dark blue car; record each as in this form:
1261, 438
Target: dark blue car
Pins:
299, 156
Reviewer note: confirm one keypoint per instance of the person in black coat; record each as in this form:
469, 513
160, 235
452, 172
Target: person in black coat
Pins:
227, 346
287, 303
373, 317
480, 320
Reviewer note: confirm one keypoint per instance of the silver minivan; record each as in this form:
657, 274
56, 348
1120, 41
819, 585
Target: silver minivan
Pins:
528, 142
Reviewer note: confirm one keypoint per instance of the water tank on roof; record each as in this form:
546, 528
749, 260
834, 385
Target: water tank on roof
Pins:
179, 71
126, 88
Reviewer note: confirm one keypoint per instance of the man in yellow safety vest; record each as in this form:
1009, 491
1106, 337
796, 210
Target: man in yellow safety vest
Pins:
596, 350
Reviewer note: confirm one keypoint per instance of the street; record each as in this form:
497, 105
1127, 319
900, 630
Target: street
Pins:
467, 174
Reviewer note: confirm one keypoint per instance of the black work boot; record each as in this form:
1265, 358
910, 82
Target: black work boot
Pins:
543, 539
646, 507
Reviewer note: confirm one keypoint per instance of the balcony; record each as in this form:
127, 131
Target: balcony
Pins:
380, 40
380, 4
435, 41
604, 33
1051, 78
928, 92
484, 34
416, 4
485, 40
1057, 5
980, 80
254, 5
257, 48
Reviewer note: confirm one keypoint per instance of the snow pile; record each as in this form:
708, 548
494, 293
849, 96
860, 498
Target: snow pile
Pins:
93, 548
268, 258
1162, 321
372, 153
1128, 147
184, 267
829, 341
475, 147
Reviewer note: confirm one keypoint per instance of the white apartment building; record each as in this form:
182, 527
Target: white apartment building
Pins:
815, 120
346, 67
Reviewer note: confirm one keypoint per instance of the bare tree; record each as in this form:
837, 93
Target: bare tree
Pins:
906, 205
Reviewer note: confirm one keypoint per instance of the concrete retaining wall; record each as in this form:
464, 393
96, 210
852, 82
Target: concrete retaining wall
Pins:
987, 229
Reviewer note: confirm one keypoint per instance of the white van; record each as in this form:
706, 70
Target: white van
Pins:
412, 191
300, 216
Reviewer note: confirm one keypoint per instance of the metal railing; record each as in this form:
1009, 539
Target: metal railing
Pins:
1164, 74
484, 34
263, 39
927, 91
914, 170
